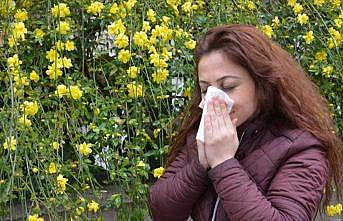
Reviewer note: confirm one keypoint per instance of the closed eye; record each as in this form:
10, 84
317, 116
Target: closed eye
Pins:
228, 88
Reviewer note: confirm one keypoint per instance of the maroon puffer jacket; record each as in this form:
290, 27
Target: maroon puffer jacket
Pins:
277, 174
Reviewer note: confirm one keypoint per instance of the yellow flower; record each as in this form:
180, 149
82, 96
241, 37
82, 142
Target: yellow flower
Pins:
160, 76
52, 55
173, 2
69, 45
338, 22
146, 26
116, 28
121, 40
152, 49
187, 7
156, 132
63, 27
12, 41
10, 143
140, 38
21, 81
187, 92
67, 62
39, 33
55, 145
276, 22
331, 210
35, 218
302, 18
52, 168
321, 56
158, 172
114, 8
61, 90
93, 206
251, 5
331, 43
157, 61
124, 55
130, 4
13, 62
84, 148
190, 44
151, 15
268, 30
34, 76
327, 71
297, 8
61, 181
24, 121
132, 72
162, 31
201, 3
29, 108
64, 62
95, 8
75, 92
35, 170
166, 54
96, 112
135, 90
141, 164
19, 31
166, 20
318, 2
21, 15
291, 2
59, 45
53, 72
61, 10
80, 210
336, 35
336, 3
308, 37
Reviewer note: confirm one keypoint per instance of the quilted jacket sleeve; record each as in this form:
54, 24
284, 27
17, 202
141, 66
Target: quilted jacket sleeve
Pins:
174, 193
294, 193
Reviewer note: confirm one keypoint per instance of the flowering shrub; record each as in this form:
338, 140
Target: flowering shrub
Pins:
91, 87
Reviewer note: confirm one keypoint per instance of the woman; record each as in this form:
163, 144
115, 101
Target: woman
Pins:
270, 158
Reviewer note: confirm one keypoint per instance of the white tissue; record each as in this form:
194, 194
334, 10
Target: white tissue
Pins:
211, 92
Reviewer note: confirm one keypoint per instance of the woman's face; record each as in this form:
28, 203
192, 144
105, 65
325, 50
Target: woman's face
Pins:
215, 69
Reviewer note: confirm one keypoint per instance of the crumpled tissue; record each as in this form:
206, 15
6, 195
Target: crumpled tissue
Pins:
211, 92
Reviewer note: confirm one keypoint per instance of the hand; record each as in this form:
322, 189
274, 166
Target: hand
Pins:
202, 155
221, 141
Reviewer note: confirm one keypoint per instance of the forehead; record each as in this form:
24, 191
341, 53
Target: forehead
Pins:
216, 65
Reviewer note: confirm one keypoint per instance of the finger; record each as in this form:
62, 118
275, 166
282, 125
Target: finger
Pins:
234, 122
208, 126
227, 117
217, 108
214, 115
224, 120
231, 124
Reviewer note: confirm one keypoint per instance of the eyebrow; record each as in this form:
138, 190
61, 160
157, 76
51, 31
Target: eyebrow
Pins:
221, 78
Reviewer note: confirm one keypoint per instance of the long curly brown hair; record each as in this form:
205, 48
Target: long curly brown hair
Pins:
283, 88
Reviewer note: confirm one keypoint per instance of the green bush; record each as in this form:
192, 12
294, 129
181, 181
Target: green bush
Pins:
89, 90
